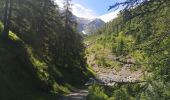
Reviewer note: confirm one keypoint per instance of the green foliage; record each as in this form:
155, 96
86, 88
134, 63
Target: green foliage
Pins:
96, 93
120, 48
154, 90
1, 27
40, 53
18, 79
141, 35
14, 37
102, 62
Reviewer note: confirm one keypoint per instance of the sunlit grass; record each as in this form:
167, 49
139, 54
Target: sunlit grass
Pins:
13, 36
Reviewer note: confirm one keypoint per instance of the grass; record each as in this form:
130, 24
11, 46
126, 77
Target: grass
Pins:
141, 91
23, 76
101, 47
17, 78
104, 45
1, 27
96, 93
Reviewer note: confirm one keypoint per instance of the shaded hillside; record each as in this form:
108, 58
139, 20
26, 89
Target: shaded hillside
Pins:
37, 51
23, 76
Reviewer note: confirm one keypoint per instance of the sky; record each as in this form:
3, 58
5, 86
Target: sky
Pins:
92, 8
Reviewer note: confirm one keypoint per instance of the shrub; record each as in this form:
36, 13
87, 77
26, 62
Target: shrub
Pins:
96, 93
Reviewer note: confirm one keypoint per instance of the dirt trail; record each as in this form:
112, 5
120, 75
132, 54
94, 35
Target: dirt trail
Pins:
79, 95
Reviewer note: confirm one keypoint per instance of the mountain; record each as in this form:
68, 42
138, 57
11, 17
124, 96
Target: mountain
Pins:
81, 23
93, 26
88, 26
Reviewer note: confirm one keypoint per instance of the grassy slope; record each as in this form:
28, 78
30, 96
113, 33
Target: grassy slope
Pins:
17, 64
104, 48
107, 44
23, 76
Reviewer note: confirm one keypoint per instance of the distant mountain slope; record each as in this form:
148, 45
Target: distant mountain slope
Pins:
81, 22
88, 26
93, 26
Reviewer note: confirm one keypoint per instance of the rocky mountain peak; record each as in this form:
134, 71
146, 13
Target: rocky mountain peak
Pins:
88, 26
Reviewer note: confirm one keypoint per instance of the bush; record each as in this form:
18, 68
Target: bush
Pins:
121, 44
96, 93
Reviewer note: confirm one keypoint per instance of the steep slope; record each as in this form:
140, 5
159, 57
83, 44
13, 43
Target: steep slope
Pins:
25, 76
20, 76
81, 22
93, 26
136, 44
88, 26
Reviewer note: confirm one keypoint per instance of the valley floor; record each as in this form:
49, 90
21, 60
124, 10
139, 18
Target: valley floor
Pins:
107, 76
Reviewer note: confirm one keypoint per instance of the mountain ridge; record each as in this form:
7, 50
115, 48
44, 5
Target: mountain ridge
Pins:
91, 25
88, 26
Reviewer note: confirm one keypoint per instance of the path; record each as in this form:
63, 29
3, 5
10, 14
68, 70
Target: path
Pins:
79, 95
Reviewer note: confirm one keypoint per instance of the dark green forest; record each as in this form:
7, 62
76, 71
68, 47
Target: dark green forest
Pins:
41, 53
43, 56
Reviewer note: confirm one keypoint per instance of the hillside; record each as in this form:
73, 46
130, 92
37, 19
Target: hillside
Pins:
26, 75
44, 54
22, 75
88, 26
132, 51
93, 26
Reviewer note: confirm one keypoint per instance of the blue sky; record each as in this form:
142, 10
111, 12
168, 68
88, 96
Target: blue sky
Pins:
92, 8
100, 7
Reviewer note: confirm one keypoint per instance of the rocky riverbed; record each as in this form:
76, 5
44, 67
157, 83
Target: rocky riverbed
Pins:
110, 76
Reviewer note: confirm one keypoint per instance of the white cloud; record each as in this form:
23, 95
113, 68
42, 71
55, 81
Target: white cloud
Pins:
79, 10
110, 16
59, 2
